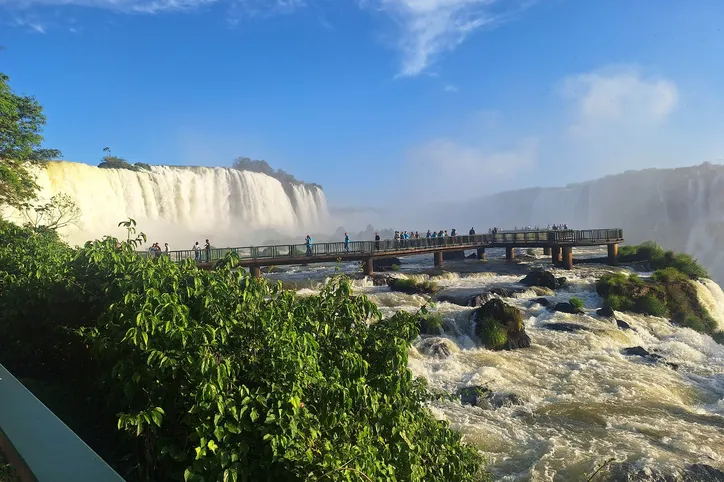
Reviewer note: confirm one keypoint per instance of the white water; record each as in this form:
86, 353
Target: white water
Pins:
181, 205
584, 401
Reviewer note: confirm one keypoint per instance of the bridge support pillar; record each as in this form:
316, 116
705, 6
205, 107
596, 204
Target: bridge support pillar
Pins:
567, 257
255, 271
509, 253
556, 256
438, 259
481, 254
368, 266
547, 251
613, 254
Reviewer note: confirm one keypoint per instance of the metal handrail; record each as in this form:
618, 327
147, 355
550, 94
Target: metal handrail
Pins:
38, 445
360, 248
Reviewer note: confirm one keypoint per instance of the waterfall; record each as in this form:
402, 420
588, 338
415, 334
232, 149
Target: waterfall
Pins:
682, 209
181, 205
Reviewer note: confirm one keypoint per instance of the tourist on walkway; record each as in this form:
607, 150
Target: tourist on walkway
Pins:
472, 232
377, 241
207, 246
346, 243
309, 245
166, 250
197, 252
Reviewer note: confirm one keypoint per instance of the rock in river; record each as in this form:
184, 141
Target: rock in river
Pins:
540, 277
482, 397
500, 326
567, 307
648, 356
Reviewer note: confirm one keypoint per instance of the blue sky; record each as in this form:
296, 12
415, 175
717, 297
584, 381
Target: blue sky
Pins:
378, 99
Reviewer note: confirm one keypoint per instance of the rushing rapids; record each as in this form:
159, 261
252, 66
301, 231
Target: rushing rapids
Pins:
180, 205
580, 399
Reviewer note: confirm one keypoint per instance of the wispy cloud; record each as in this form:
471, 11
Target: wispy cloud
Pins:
450, 88
32, 25
429, 28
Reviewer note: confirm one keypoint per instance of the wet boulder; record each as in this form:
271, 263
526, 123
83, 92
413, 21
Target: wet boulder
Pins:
567, 327
605, 312
505, 292
623, 325
542, 302
540, 277
436, 348
412, 287
479, 396
499, 326
567, 307
648, 356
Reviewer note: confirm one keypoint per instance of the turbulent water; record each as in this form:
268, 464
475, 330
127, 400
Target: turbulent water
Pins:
583, 400
683, 209
181, 205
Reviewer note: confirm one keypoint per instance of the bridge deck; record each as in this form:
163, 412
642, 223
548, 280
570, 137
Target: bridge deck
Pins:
254, 256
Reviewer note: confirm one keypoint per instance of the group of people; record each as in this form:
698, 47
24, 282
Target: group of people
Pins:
155, 250
197, 251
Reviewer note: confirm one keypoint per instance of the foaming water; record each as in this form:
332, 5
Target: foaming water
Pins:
181, 205
583, 400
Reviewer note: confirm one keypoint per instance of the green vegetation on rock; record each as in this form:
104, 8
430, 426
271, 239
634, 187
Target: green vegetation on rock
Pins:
576, 303
660, 259
413, 287
668, 293
500, 326
186, 374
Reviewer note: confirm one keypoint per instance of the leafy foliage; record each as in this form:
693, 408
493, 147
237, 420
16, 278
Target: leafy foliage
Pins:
21, 123
247, 164
660, 259
668, 293
115, 162
60, 211
215, 375
576, 303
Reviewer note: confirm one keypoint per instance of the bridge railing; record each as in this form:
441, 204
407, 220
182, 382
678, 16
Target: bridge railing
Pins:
271, 252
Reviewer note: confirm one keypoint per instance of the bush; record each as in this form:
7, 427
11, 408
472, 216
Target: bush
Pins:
114, 162
576, 303
650, 305
395, 267
660, 259
142, 166
413, 287
430, 324
215, 375
493, 335
668, 275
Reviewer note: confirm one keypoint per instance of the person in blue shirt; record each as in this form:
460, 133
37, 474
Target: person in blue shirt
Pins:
309, 245
346, 243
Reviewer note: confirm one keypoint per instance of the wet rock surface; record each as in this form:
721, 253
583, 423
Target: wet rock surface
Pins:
566, 307
605, 312
539, 277
479, 396
623, 325
648, 356
542, 302
567, 327
436, 348
385, 264
499, 326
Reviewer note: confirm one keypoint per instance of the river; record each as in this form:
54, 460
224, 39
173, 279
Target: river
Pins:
582, 401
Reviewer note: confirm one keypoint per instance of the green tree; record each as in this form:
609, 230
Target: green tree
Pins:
21, 123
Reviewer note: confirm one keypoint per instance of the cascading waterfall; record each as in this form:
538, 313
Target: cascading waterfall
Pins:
181, 205
683, 209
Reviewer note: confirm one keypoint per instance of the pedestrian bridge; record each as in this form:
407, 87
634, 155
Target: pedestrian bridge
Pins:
557, 243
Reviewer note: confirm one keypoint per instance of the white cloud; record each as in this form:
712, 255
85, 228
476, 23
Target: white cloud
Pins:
432, 27
618, 98
450, 88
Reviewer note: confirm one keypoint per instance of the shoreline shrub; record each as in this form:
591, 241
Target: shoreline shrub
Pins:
215, 375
